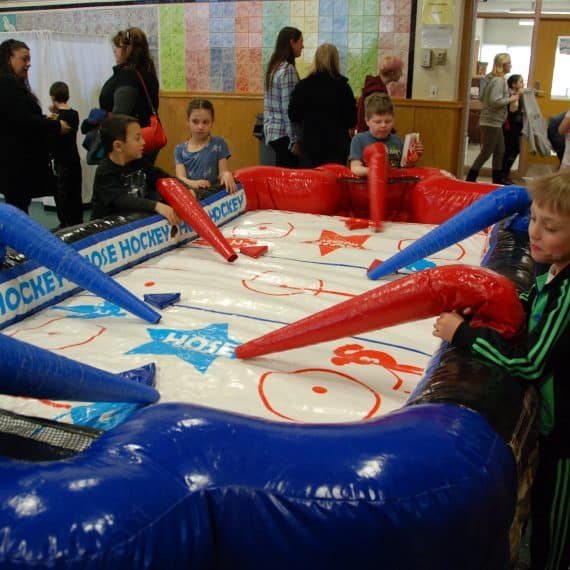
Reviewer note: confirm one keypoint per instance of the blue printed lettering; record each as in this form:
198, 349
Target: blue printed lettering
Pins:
12, 298
228, 350
37, 288
135, 244
112, 253
125, 247
27, 299
48, 279
176, 340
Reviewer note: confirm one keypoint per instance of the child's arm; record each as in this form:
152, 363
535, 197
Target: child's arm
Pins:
167, 212
355, 156
527, 358
226, 177
192, 184
564, 126
357, 167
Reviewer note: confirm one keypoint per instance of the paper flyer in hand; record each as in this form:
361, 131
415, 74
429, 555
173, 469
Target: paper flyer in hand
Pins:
409, 152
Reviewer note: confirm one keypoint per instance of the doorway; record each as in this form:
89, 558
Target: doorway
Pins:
536, 34
550, 80
495, 35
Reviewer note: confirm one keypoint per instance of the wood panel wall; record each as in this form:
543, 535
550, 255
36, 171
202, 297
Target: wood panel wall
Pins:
234, 121
439, 124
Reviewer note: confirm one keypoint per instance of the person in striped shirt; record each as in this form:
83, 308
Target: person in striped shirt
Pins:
280, 79
540, 356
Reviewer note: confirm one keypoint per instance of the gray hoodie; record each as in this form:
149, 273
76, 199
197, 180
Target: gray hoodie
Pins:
494, 101
534, 125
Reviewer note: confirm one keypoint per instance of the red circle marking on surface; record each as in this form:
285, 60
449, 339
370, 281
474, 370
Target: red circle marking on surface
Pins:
150, 284
459, 256
280, 289
270, 408
319, 390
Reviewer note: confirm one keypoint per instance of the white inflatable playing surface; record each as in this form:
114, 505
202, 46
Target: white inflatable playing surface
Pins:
312, 262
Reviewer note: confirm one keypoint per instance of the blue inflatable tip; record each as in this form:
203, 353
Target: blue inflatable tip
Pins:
161, 300
482, 213
145, 375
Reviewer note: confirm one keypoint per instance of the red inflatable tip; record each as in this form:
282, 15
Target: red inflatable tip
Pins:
190, 210
427, 293
374, 264
356, 223
253, 250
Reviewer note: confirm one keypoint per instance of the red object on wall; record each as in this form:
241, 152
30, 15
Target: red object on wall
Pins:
492, 297
190, 210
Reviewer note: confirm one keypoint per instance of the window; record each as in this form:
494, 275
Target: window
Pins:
561, 73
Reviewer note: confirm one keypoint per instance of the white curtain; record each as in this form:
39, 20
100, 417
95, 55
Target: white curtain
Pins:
83, 61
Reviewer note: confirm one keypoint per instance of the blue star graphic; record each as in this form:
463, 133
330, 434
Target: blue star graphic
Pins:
105, 309
199, 347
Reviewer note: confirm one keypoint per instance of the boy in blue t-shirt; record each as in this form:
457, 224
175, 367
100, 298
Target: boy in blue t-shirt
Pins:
379, 114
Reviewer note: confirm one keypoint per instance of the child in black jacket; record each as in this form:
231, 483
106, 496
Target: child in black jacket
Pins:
67, 166
124, 181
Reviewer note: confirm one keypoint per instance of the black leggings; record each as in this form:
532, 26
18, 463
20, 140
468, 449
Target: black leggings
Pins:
283, 156
550, 510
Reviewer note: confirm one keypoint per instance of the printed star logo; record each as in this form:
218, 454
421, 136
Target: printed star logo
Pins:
199, 347
105, 309
331, 241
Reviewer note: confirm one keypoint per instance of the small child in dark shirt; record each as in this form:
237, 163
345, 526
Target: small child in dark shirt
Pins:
67, 166
124, 181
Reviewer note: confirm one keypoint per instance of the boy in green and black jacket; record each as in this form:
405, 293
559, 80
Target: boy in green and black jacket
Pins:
542, 357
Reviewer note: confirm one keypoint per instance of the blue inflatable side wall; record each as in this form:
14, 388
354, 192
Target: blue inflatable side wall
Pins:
177, 486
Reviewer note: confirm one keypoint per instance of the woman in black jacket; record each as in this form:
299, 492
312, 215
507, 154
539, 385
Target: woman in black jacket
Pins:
25, 169
324, 104
124, 92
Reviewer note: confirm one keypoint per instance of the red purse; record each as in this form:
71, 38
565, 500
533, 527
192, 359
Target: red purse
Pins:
154, 135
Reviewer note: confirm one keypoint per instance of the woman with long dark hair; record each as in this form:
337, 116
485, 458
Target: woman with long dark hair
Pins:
280, 79
124, 92
323, 103
25, 169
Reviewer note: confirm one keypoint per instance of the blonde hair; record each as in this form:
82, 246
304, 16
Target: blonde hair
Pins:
499, 64
552, 192
378, 104
326, 60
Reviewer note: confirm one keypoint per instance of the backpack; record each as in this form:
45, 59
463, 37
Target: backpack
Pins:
556, 139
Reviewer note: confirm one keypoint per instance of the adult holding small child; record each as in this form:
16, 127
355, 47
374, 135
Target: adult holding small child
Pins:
25, 168
323, 104
495, 98
134, 76
280, 79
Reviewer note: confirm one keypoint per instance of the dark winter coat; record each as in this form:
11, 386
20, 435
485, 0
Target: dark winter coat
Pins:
325, 107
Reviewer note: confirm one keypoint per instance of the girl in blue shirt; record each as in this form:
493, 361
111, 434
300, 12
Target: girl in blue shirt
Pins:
202, 161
